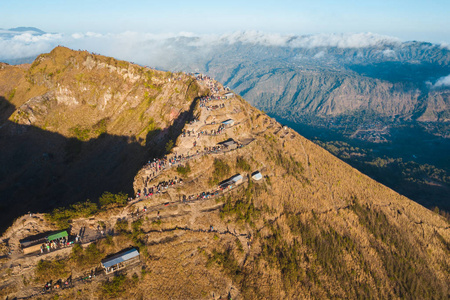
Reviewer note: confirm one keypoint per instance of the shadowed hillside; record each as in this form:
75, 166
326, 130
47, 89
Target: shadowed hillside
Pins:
68, 135
41, 170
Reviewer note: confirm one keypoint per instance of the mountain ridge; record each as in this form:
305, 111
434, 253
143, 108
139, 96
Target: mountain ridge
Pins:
313, 227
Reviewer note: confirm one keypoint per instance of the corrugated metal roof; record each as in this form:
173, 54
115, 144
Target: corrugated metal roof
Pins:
236, 178
57, 235
229, 143
228, 122
257, 176
120, 258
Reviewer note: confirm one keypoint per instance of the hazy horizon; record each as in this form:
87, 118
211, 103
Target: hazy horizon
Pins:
407, 20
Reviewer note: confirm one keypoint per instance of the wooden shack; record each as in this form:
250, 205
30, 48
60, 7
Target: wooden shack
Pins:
33, 243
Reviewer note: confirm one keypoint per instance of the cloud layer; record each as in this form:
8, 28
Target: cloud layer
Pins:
124, 44
443, 81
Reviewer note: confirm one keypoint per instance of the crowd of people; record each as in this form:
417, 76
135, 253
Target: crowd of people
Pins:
199, 196
206, 99
159, 188
212, 132
159, 164
214, 107
54, 245
211, 150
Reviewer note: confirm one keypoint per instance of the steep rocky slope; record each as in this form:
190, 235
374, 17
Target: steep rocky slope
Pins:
312, 227
377, 95
74, 125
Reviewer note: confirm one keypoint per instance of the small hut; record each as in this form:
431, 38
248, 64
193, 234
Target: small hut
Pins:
229, 95
33, 243
257, 176
228, 122
120, 260
232, 181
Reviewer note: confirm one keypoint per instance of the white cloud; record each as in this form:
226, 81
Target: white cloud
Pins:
78, 36
156, 49
389, 53
357, 40
319, 55
31, 38
93, 34
28, 45
443, 81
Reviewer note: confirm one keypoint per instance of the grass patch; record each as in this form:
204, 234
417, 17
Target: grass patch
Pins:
117, 286
88, 257
11, 94
242, 164
80, 133
100, 127
51, 270
221, 170
63, 215
110, 199
228, 263
184, 170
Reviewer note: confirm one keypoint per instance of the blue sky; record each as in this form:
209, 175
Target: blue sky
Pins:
408, 20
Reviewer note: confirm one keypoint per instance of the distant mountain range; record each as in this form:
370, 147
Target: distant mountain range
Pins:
388, 78
9, 33
375, 92
389, 100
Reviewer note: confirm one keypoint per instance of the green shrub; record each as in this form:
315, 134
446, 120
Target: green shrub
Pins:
63, 215
100, 127
117, 286
122, 226
228, 262
221, 170
51, 270
88, 257
169, 146
108, 199
184, 170
136, 225
80, 134
242, 164
11, 94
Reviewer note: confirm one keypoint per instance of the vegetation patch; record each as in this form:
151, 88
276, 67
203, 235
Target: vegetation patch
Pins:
406, 268
184, 170
228, 263
63, 215
221, 170
11, 94
169, 146
242, 164
88, 257
117, 286
100, 127
47, 270
82, 134
110, 199
242, 208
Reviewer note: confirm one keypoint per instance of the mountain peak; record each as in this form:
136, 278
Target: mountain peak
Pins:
27, 29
